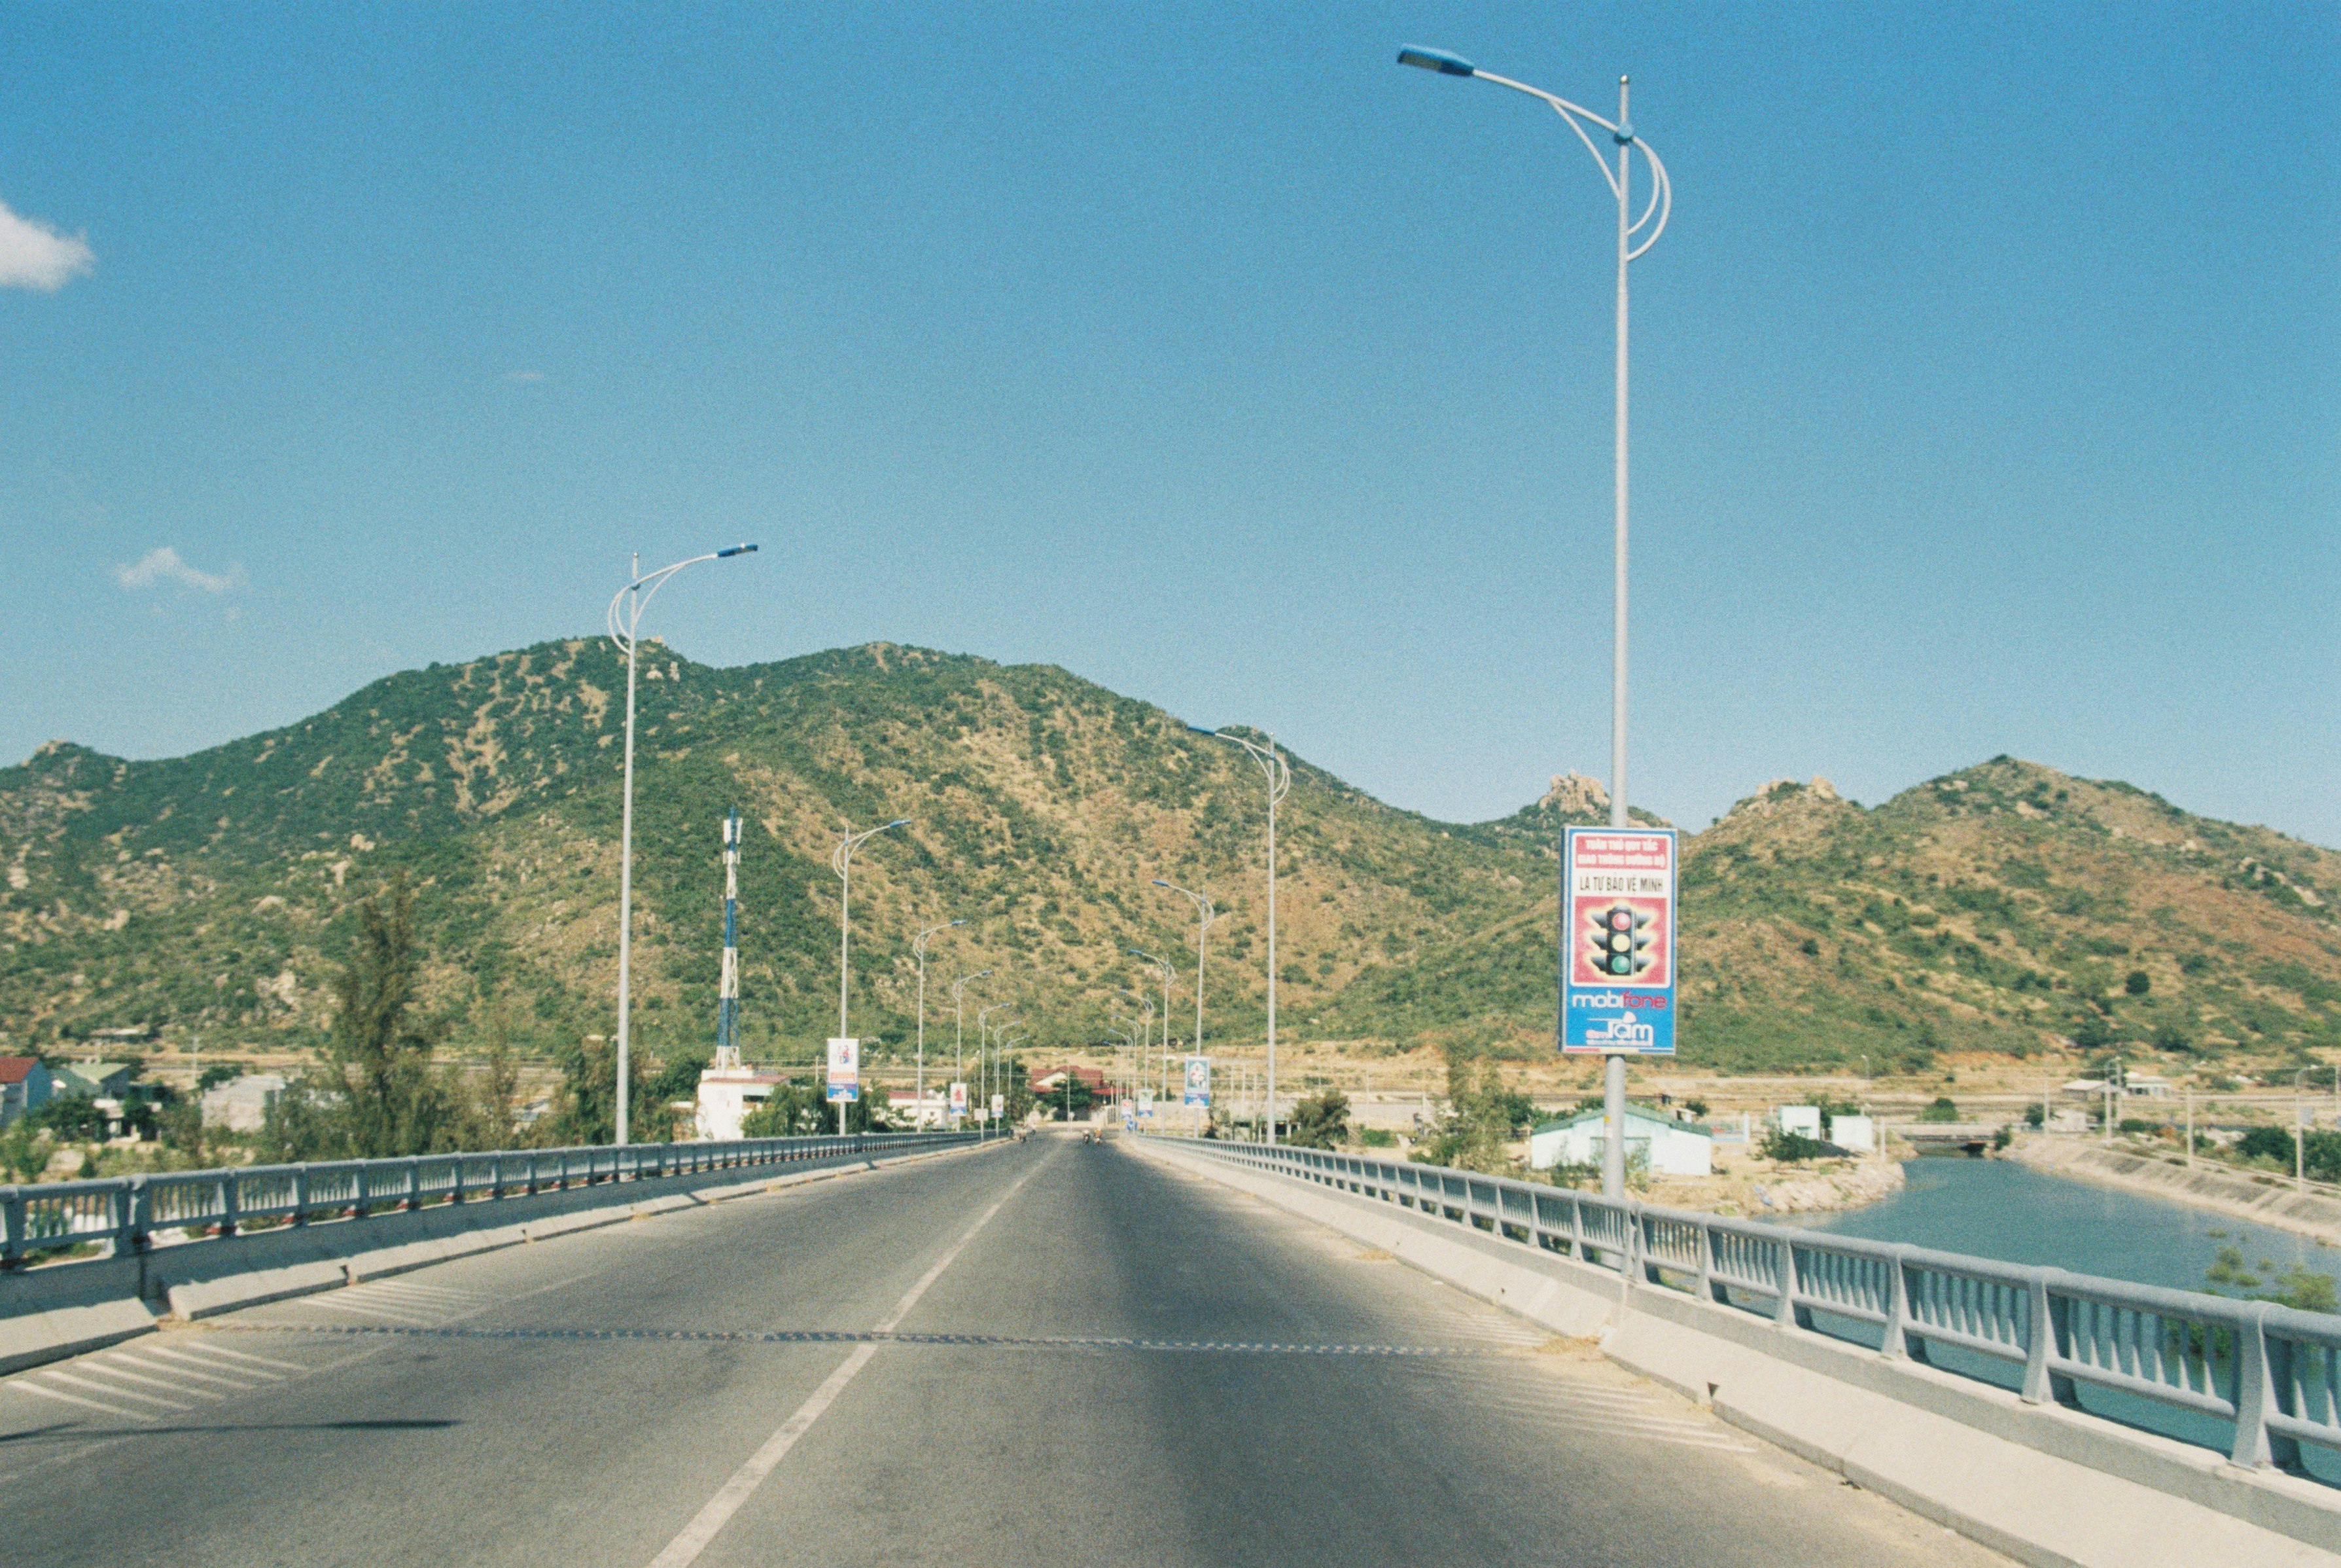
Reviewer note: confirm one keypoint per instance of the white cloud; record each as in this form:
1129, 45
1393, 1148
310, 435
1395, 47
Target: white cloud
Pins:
163, 565
34, 255
523, 375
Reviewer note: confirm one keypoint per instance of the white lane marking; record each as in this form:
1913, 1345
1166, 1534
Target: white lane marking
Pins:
178, 1367
109, 1388
26, 1385
116, 1369
685, 1548
413, 1320
207, 1348
420, 1294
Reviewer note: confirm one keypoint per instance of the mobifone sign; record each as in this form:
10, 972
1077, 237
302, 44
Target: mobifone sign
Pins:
1198, 1081
1618, 941
845, 1070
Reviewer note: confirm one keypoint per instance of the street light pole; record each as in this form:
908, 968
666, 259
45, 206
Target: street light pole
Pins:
1164, 965
1660, 207
1204, 915
625, 622
959, 1023
1280, 783
919, 946
840, 860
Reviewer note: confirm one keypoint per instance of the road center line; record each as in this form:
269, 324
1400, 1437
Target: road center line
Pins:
685, 1548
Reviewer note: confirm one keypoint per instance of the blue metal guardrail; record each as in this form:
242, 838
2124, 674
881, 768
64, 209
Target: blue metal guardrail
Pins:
2271, 1371
126, 1214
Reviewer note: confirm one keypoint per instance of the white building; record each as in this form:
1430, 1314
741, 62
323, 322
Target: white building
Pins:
728, 1091
242, 1104
1856, 1135
905, 1110
1804, 1120
1672, 1147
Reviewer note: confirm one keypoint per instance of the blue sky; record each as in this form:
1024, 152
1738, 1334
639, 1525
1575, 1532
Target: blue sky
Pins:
1985, 384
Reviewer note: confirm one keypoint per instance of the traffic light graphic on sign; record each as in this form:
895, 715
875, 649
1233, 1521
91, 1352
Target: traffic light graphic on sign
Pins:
1620, 941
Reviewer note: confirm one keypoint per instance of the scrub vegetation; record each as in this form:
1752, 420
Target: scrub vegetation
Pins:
2004, 907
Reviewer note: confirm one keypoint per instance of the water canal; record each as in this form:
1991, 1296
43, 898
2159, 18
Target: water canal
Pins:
2000, 1209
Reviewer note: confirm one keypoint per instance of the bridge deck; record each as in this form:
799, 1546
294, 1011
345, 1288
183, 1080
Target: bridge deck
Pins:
1050, 1354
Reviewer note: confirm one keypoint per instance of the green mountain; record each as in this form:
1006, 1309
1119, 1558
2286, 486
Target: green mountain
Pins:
1997, 908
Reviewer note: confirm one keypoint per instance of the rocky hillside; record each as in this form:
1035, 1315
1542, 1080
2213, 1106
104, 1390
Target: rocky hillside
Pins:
2000, 907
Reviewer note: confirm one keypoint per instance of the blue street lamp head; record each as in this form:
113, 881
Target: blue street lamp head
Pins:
1437, 60
735, 549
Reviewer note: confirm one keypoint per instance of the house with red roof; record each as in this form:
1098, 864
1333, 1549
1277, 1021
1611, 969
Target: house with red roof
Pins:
25, 1085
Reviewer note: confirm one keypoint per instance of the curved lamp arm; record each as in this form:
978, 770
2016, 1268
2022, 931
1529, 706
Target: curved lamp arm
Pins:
1662, 193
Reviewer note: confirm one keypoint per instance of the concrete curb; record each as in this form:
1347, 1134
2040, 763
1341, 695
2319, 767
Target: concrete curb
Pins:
2045, 1485
30, 1339
34, 1338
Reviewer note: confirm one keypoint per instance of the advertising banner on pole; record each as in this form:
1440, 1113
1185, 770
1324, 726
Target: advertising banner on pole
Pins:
1198, 1081
959, 1099
845, 1070
999, 1106
1618, 941
1146, 1102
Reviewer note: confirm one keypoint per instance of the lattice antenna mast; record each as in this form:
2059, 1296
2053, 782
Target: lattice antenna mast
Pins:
727, 999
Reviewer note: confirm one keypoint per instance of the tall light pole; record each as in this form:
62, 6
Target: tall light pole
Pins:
1280, 783
1632, 242
1204, 915
1164, 965
840, 860
959, 1022
982, 1048
624, 622
2299, 1132
991, 1065
1145, 1003
1002, 1073
919, 946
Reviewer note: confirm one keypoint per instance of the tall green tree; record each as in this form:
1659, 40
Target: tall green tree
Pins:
378, 1064
1319, 1122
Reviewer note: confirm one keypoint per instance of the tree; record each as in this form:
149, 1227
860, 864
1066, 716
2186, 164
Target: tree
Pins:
487, 1102
378, 1055
1319, 1122
585, 1105
1480, 1117
2138, 983
215, 1075
1941, 1108
75, 1118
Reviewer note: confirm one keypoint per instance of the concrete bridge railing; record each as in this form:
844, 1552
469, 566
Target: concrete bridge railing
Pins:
134, 1214
2254, 1379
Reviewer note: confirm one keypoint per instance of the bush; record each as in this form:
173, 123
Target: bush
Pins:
2034, 1116
1791, 1147
1378, 1138
1941, 1108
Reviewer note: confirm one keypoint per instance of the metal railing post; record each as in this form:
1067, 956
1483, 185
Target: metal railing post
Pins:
230, 1204
12, 1227
300, 1194
1784, 1310
413, 1183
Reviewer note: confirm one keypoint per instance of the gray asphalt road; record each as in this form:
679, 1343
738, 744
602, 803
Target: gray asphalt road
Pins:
1086, 1357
